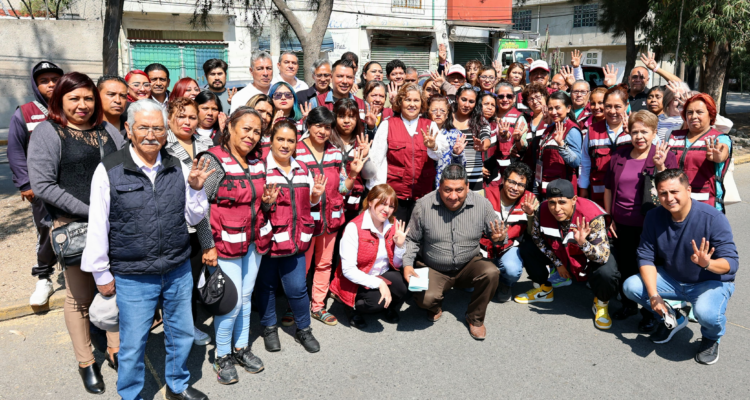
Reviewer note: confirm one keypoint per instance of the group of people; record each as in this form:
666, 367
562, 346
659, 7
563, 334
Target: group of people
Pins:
468, 176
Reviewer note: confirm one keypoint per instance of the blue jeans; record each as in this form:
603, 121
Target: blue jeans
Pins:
708, 299
510, 265
242, 271
137, 299
291, 270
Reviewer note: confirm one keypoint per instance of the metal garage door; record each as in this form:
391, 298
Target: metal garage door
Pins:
464, 51
413, 48
180, 59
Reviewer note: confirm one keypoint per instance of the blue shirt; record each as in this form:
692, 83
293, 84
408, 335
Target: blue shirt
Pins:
668, 243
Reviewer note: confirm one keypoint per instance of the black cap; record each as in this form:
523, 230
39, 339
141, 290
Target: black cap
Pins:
560, 188
46, 66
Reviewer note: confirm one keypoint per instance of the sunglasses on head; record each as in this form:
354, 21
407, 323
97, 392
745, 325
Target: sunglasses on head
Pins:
469, 86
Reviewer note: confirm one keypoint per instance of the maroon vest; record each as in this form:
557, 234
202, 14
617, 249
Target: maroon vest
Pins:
33, 114
550, 160
411, 173
353, 199
329, 212
700, 171
293, 226
515, 221
329, 105
600, 151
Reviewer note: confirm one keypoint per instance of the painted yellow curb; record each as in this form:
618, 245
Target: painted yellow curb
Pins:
742, 159
19, 309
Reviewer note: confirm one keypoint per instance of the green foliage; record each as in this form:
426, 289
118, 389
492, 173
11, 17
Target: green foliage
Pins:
618, 16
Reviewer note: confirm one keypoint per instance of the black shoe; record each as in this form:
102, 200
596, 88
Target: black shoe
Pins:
356, 320
391, 315
271, 338
248, 360
189, 394
708, 353
92, 378
226, 374
307, 340
112, 362
625, 312
503, 293
648, 323
664, 334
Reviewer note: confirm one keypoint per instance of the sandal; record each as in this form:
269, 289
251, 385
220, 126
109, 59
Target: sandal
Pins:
325, 317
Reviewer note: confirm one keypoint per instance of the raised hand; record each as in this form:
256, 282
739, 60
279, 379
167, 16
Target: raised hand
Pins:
545, 114
371, 118
358, 162
624, 119
199, 173
530, 204
713, 149
399, 234
610, 75
575, 58
438, 79
581, 231
505, 129
499, 231
270, 193
559, 134
567, 74
354, 89
660, 156
498, 67
430, 139
230, 93
442, 53
460, 145
320, 185
649, 60
702, 255
674, 87
392, 91
222, 121
364, 144
277, 117
305, 109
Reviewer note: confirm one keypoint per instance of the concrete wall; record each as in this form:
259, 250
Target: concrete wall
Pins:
73, 45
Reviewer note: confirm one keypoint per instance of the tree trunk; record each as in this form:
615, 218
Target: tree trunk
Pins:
310, 41
110, 47
723, 102
714, 69
631, 53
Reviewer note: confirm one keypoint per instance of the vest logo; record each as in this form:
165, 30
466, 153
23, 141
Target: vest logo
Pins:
226, 159
38, 117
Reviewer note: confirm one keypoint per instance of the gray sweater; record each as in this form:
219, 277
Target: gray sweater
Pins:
44, 163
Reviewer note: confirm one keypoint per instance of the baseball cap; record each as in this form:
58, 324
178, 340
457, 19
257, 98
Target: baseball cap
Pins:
104, 314
46, 66
560, 188
456, 69
539, 64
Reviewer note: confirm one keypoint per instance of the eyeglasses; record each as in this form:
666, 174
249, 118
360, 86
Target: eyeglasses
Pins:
438, 111
512, 183
158, 131
319, 76
580, 92
137, 85
283, 95
538, 99
504, 96
469, 86
487, 78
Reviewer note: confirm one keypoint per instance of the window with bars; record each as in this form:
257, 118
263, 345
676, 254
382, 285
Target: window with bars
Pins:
585, 15
407, 6
522, 20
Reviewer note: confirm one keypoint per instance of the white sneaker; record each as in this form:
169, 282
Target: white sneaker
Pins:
200, 338
42, 293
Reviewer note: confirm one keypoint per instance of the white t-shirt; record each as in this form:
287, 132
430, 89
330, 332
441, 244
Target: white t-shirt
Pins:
243, 96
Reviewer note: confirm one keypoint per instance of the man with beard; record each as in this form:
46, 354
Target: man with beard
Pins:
216, 76
158, 74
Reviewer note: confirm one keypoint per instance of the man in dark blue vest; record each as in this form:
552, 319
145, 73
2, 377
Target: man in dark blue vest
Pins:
142, 200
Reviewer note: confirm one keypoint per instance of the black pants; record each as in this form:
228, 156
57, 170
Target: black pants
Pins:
368, 300
45, 256
196, 264
628, 239
404, 210
603, 278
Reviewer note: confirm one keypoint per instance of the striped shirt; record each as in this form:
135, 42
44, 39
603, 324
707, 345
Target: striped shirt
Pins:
447, 240
474, 161
667, 125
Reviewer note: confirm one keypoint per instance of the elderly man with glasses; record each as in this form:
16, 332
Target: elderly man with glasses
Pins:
137, 247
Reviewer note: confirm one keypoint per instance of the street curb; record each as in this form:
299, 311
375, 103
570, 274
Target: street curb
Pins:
18, 309
742, 159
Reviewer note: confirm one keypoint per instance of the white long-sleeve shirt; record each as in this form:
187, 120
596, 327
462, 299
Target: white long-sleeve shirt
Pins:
350, 247
95, 258
379, 148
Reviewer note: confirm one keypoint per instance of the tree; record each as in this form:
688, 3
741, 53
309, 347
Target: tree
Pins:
310, 41
110, 48
710, 30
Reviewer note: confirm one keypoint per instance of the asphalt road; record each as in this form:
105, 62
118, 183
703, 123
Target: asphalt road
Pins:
547, 351
738, 103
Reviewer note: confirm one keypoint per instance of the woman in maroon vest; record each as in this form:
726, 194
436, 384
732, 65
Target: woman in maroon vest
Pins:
702, 151
489, 112
406, 150
506, 145
372, 246
240, 201
375, 93
533, 122
264, 106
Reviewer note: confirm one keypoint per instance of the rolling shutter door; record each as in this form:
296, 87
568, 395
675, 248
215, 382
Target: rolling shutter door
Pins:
413, 48
464, 51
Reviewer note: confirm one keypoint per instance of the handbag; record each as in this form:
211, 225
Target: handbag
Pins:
69, 240
731, 194
217, 291
650, 198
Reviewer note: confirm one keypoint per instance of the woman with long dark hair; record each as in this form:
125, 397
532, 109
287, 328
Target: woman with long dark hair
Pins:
468, 118
211, 118
64, 152
559, 154
264, 106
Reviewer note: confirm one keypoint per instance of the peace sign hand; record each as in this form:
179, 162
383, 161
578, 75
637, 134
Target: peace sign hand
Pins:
660, 156
230, 93
199, 173
399, 235
498, 231
624, 119
610, 75
358, 162
460, 145
559, 134
305, 109
581, 231
364, 144
320, 185
430, 139
649, 60
702, 256
270, 193
713, 149
530, 204
505, 129
575, 58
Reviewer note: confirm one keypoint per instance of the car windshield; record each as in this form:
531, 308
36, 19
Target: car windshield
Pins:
522, 55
